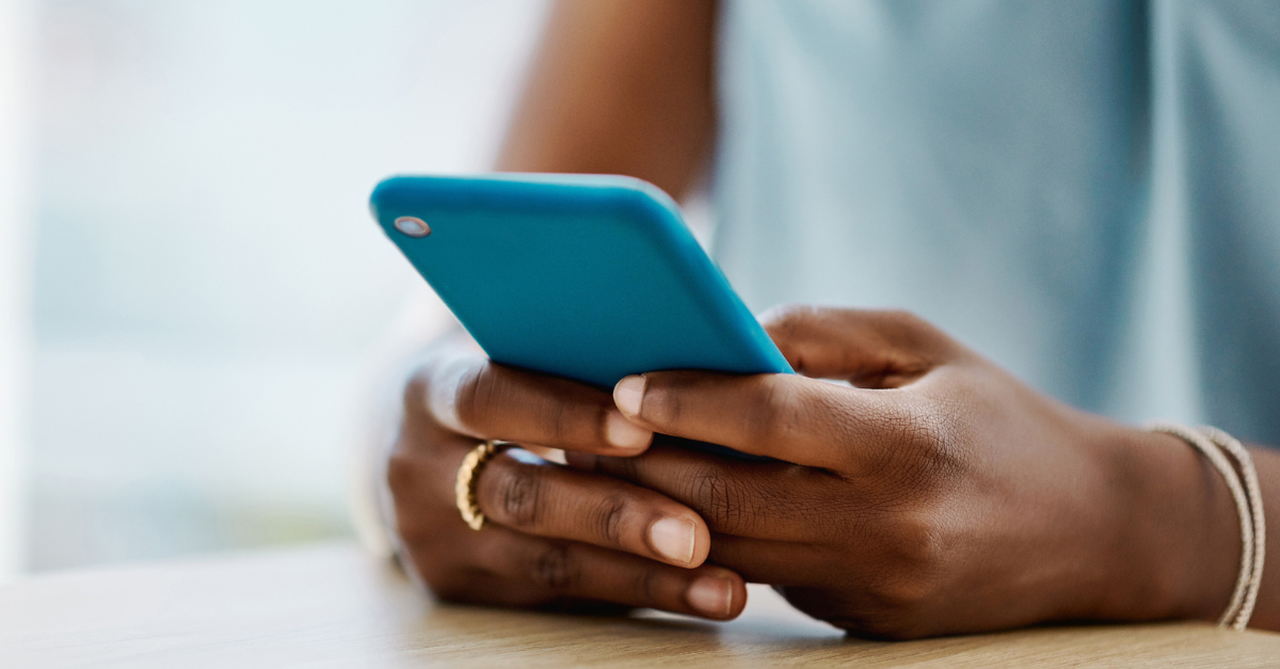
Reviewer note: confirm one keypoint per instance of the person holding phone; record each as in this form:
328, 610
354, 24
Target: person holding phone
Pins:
1077, 190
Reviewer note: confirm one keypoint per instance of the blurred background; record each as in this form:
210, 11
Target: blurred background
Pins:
190, 284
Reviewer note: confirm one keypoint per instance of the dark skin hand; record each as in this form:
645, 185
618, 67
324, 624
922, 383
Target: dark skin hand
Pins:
938, 495
556, 537
619, 87
933, 494
941, 496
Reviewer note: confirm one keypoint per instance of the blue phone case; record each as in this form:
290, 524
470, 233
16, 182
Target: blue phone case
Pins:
588, 277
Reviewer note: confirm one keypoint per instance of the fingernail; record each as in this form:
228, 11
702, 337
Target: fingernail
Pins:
622, 433
673, 539
711, 596
628, 394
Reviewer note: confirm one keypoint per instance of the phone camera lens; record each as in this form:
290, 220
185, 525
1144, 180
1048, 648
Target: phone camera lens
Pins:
413, 227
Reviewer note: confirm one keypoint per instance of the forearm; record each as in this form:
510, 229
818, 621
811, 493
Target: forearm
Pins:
619, 87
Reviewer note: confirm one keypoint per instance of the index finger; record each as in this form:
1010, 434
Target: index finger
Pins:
470, 394
871, 349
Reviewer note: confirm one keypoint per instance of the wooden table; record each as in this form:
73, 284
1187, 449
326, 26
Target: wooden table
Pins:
334, 606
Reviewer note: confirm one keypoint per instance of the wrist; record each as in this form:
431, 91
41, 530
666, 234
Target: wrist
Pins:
1174, 539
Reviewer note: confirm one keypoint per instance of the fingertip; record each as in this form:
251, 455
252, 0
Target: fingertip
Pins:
674, 539
711, 597
718, 594
739, 601
701, 543
628, 394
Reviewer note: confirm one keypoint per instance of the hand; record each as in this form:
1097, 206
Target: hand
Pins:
556, 536
938, 495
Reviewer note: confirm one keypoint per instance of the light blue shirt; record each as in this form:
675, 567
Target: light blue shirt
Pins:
1087, 192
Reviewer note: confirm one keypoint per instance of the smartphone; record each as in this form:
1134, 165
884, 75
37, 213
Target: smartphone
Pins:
587, 277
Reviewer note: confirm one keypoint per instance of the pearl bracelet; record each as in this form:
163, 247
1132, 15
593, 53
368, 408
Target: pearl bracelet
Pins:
1216, 445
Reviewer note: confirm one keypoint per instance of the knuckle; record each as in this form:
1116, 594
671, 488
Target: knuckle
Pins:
898, 593
561, 420
570, 421
905, 321
919, 335
521, 503
721, 504
941, 438
915, 550
490, 396
555, 569
712, 498
919, 541
921, 445
645, 586
787, 317
779, 415
475, 401
920, 434
903, 590
789, 325
609, 516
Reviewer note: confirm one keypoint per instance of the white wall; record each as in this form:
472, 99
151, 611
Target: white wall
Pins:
207, 278
14, 277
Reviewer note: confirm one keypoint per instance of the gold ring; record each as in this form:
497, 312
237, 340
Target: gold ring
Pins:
465, 489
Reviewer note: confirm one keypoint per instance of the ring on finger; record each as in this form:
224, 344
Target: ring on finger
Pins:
468, 474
